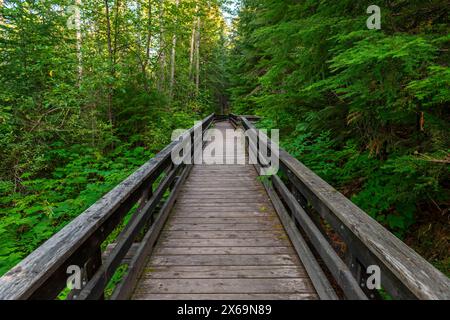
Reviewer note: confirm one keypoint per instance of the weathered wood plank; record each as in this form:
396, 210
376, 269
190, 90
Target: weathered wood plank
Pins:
217, 182
218, 221
254, 209
213, 195
210, 175
220, 202
216, 286
221, 296
225, 189
252, 242
223, 272
223, 214
224, 227
220, 198
224, 260
224, 182
221, 234
223, 167
223, 250
239, 207
230, 185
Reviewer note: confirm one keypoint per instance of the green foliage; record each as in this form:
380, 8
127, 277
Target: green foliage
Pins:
30, 218
434, 89
80, 111
367, 110
115, 280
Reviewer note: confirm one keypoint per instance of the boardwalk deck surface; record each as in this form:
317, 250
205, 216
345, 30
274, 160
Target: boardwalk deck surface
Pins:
224, 240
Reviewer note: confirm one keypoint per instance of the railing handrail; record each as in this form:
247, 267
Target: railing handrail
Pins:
421, 278
37, 268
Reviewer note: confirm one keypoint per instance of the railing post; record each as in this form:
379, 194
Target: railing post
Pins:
88, 270
146, 195
92, 265
257, 148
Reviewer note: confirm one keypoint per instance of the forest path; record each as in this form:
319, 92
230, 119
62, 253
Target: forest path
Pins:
224, 240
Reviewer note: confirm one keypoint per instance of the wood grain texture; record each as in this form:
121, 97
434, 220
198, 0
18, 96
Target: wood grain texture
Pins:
240, 286
225, 272
223, 250
222, 296
224, 240
224, 227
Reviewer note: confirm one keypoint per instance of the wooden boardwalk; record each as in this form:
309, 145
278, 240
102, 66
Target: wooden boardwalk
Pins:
224, 240
213, 231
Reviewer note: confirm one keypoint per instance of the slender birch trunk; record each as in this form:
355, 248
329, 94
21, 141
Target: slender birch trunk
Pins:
191, 53
162, 54
79, 40
147, 46
1, 15
197, 53
149, 31
111, 61
173, 57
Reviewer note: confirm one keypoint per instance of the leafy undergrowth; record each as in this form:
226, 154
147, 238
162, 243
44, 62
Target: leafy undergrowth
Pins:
73, 178
30, 217
402, 193
430, 237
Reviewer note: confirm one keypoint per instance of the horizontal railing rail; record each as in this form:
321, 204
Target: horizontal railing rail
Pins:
44, 273
306, 201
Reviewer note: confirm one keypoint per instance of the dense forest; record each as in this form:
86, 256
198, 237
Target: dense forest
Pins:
90, 90
367, 110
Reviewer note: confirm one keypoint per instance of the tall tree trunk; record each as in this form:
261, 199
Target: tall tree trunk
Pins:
162, 54
191, 53
79, 40
1, 14
173, 57
149, 31
111, 62
147, 45
116, 29
197, 53
139, 19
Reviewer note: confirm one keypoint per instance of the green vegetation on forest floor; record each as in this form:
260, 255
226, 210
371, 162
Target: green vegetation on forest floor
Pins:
367, 110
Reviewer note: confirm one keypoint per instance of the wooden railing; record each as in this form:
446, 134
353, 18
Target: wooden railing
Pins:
43, 274
312, 211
